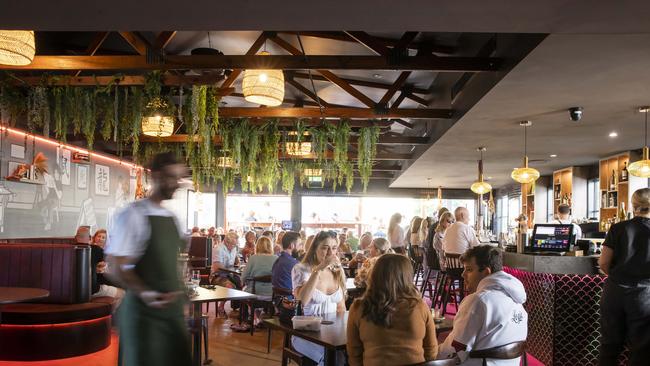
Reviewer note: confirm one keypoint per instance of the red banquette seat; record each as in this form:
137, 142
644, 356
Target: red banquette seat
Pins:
65, 324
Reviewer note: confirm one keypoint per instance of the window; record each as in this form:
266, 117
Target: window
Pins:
508, 209
593, 198
549, 205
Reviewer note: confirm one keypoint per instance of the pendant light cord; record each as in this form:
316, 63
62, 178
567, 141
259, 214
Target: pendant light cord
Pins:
525, 141
311, 79
646, 130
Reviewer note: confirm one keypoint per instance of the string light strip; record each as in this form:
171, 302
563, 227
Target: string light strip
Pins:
70, 147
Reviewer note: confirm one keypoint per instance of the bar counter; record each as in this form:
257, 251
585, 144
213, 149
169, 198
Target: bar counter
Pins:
563, 305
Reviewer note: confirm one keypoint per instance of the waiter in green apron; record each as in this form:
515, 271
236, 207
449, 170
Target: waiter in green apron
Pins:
143, 246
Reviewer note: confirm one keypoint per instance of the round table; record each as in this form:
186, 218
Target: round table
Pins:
10, 295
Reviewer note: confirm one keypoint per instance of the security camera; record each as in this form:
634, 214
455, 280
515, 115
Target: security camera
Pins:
575, 113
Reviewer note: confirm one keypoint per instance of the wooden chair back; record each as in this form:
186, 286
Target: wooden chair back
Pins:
506, 352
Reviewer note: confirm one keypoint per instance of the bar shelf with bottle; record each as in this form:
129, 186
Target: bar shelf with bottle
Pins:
616, 186
570, 187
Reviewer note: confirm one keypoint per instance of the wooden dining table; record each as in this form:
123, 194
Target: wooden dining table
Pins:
11, 295
332, 337
202, 296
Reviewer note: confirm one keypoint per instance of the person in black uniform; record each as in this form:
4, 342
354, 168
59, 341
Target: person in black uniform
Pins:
625, 304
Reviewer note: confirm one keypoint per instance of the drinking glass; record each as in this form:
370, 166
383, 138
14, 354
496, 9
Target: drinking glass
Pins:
196, 278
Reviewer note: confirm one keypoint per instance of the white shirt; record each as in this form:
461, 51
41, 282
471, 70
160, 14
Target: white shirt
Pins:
224, 256
492, 316
577, 231
396, 239
320, 303
458, 238
130, 231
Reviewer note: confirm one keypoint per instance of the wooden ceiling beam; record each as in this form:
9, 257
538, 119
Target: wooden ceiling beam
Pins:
383, 140
166, 79
369, 42
93, 47
423, 102
163, 39
389, 42
397, 85
318, 62
326, 73
301, 88
259, 42
368, 84
334, 112
406, 40
136, 42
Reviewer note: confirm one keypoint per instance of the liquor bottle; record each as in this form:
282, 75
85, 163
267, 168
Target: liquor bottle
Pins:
612, 181
603, 200
611, 201
621, 212
624, 175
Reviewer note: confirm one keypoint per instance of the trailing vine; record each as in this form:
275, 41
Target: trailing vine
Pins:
367, 152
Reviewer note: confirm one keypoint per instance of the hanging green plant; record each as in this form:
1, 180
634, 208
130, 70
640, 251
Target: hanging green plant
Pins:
60, 113
212, 109
136, 103
269, 161
367, 152
320, 139
88, 118
289, 176
341, 141
38, 112
13, 102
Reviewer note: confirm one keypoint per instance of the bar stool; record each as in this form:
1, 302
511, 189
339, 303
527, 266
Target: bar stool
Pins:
432, 271
417, 256
203, 327
506, 352
453, 275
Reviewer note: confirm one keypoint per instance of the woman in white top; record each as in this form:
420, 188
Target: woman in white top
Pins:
319, 284
445, 221
396, 234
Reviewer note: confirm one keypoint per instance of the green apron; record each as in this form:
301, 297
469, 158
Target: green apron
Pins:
151, 336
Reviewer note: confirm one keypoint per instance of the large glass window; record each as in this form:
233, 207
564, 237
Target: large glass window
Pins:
242, 211
508, 209
593, 199
372, 214
201, 209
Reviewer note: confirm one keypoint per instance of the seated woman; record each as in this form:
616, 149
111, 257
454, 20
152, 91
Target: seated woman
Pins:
260, 264
319, 283
249, 245
391, 324
101, 286
378, 247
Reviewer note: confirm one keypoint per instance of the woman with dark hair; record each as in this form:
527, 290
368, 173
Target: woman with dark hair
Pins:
319, 283
391, 324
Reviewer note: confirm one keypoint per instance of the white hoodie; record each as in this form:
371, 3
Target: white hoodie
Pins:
492, 316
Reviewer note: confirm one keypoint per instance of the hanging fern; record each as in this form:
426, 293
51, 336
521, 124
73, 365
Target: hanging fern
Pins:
60, 113
320, 139
341, 141
289, 176
367, 151
212, 109
13, 102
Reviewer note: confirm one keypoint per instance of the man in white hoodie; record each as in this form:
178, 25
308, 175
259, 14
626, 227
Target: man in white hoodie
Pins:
492, 315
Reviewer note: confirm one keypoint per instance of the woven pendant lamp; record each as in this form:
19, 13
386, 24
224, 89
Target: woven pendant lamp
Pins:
17, 48
264, 87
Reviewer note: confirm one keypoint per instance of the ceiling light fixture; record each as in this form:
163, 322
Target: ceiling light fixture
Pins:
17, 47
156, 123
641, 168
525, 174
553, 155
265, 87
481, 187
613, 134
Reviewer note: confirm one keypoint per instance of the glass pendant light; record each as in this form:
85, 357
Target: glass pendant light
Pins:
481, 187
525, 174
641, 168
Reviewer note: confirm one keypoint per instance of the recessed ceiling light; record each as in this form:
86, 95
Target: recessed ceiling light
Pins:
613, 134
553, 155
377, 76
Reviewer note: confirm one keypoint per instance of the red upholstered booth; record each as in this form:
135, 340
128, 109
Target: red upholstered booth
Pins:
65, 324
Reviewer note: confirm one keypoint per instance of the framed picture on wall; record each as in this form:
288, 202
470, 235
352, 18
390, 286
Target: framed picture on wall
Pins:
102, 179
64, 163
82, 176
17, 151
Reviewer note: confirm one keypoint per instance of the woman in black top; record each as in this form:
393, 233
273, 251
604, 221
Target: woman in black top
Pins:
625, 304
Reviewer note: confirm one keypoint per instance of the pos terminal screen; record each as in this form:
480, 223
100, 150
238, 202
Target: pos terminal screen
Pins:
553, 238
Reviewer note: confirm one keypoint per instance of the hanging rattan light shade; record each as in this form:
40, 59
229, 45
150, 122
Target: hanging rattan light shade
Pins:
158, 126
264, 87
17, 48
298, 148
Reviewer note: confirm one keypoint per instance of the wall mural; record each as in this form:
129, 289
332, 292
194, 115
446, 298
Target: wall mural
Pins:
47, 190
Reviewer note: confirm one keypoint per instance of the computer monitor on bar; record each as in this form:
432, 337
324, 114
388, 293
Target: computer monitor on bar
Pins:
552, 238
